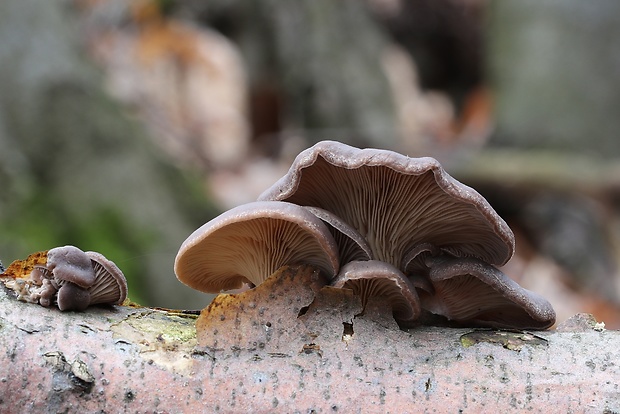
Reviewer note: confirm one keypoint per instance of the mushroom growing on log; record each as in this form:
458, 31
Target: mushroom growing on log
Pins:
473, 292
409, 210
373, 278
67, 277
395, 202
247, 244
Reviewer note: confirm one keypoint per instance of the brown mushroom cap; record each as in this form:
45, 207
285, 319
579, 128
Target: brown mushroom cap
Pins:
70, 264
72, 297
110, 285
351, 244
470, 291
373, 278
395, 202
250, 242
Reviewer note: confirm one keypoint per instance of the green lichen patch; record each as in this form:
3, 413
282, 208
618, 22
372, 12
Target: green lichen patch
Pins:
513, 340
162, 338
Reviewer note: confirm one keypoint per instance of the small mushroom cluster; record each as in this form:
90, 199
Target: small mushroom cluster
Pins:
72, 280
378, 223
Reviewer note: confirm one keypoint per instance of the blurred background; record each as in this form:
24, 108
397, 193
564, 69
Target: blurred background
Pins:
125, 125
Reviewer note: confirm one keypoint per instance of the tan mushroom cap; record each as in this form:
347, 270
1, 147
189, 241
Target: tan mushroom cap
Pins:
472, 292
250, 242
373, 278
395, 202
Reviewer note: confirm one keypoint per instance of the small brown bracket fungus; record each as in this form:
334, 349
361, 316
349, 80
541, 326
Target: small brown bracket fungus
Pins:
71, 279
249, 243
472, 292
373, 278
395, 202
70, 264
72, 297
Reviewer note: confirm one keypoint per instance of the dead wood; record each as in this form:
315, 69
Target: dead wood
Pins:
292, 345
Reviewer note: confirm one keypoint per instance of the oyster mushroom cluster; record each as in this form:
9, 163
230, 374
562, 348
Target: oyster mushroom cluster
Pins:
378, 223
72, 280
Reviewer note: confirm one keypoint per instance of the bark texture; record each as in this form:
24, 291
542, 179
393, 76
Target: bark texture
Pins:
292, 345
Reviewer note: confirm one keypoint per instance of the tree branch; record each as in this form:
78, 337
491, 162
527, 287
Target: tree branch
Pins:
291, 345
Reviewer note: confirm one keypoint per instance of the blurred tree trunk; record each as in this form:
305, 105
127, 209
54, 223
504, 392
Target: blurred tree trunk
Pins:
322, 59
308, 350
554, 68
75, 169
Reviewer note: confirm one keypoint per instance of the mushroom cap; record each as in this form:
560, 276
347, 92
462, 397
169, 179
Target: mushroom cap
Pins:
70, 264
72, 297
468, 290
395, 202
351, 244
110, 285
373, 278
250, 242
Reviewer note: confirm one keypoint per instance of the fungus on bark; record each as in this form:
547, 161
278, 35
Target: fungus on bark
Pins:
110, 285
395, 202
250, 242
410, 213
472, 292
69, 278
373, 278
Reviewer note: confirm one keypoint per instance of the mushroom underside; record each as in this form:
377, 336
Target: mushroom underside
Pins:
399, 228
395, 202
472, 292
351, 244
373, 278
110, 285
249, 253
247, 244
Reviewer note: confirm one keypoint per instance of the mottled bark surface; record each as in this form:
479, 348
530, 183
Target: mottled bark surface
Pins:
293, 346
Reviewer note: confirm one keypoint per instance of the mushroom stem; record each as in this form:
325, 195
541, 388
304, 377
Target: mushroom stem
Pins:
72, 297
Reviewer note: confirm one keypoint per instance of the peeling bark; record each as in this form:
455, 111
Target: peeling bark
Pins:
292, 345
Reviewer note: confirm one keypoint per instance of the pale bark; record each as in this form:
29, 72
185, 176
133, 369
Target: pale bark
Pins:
292, 346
